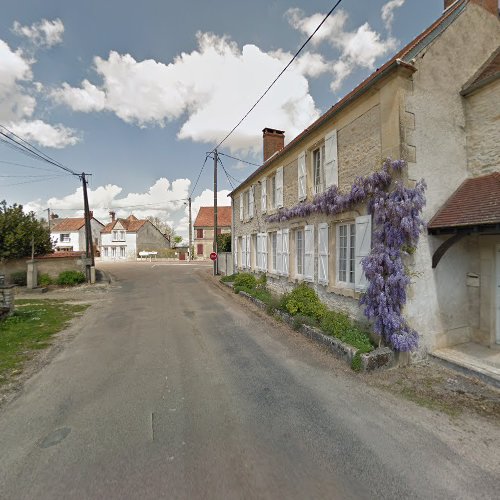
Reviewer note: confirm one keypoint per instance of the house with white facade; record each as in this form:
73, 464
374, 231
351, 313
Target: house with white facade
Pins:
434, 105
123, 239
68, 234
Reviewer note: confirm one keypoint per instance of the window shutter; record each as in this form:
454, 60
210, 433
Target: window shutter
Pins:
363, 248
249, 251
302, 179
323, 254
309, 252
331, 165
279, 187
285, 251
241, 206
243, 262
251, 201
264, 252
235, 256
279, 252
263, 195
259, 252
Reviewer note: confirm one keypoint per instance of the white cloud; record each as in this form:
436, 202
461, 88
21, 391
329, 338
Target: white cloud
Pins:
360, 47
216, 80
388, 12
45, 33
17, 104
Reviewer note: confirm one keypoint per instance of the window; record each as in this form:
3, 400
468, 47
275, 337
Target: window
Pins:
106, 253
64, 238
118, 235
346, 253
318, 170
273, 191
199, 249
273, 237
122, 251
199, 233
299, 252
263, 195
113, 251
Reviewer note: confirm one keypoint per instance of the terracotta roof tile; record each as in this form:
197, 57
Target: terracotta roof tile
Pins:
68, 224
131, 224
475, 202
60, 255
488, 72
205, 217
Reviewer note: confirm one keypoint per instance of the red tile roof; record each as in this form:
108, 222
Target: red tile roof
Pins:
488, 72
406, 52
475, 202
68, 224
60, 255
131, 224
205, 217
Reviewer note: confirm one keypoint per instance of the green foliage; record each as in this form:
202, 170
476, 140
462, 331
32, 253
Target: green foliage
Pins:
339, 325
245, 280
17, 230
177, 239
259, 293
45, 279
356, 362
71, 278
261, 281
18, 278
229, 279
224, 242
304, 300
300, 320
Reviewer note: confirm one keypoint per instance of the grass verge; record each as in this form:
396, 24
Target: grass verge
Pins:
29, 329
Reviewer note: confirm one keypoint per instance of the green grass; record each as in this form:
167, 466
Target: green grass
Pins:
30, 328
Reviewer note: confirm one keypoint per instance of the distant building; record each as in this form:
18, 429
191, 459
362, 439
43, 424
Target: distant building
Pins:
204, 229
123, 239
68, 234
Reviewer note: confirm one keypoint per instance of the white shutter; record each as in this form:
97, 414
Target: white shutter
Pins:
241, 206
249, 251
279, 187
235, 258
279, 252
251, 201
243, 262
302, 179
363, 248
259, 252
264, 252
323, 254
263, 195
285, 245
309, 252
331, 165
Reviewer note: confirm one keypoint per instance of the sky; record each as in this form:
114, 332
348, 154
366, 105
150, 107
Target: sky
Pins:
136, 93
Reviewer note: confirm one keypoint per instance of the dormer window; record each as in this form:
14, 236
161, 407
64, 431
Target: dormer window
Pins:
118, 235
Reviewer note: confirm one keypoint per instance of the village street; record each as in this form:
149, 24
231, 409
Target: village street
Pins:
174, 388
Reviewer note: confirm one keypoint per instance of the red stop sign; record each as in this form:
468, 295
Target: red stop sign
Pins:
213, 256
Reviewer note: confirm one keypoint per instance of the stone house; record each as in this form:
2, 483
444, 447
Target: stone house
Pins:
204, 229
435, 105
123, 239
68, 234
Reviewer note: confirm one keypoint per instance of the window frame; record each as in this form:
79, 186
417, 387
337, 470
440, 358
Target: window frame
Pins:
349, 237
318, 169
299, 257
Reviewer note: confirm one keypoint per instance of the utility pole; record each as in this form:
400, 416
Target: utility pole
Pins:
190, 232
216, 271
89, 247
48, 217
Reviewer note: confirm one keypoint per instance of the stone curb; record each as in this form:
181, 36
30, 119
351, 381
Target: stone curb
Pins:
382, 357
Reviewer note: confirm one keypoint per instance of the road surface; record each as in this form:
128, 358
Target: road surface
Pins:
174, 388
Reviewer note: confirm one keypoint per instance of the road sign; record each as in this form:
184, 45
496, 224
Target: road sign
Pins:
213, 256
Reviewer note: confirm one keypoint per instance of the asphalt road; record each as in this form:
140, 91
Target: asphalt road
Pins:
175, 389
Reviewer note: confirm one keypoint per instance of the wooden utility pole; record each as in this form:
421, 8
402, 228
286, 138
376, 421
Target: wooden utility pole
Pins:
216, 271
48, 218
190, 232
89, 246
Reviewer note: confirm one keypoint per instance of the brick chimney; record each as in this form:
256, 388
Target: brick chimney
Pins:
112, 215
274, 140
54, 216
490, 5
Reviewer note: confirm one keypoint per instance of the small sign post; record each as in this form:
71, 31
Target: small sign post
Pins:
213, 256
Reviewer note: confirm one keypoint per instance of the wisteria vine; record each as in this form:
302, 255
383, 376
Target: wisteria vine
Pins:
397, 226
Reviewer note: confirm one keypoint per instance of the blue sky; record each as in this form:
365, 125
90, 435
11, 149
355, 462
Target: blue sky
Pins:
137, 92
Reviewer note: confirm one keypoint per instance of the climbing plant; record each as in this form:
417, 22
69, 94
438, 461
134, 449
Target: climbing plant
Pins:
396, 211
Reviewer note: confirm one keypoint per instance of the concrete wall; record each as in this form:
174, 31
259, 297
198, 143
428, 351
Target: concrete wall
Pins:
225, 263
483, 129
149, 238
440, 307
74, 243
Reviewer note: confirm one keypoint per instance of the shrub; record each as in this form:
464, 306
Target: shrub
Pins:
18, 278
356, 362
229, 279
245, 280
71, 278
339, 325
300, 320
304, 300
44, 279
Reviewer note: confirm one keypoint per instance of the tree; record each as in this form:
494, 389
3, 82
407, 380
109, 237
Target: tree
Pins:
162, 225
177, 239
224, 242
18, 230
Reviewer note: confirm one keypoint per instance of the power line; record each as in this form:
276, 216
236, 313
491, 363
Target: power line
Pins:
227, 175
46, 178
23, 165
277, 78
239, 159
199, 175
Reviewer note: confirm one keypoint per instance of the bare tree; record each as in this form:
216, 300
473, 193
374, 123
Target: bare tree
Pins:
162, 225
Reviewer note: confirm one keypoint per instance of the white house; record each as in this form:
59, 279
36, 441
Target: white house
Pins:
69, 234
123, 239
